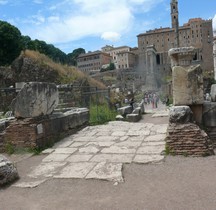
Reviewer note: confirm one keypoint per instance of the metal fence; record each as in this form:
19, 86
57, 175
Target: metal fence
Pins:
82, 96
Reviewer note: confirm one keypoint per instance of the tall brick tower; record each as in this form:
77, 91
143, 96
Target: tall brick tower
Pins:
175, 20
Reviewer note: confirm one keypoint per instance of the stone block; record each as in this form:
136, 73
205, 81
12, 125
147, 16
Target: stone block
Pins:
187, 85
142, 107
8, 172
182, 56
213, 93
125, 110
133, 117
180, 114
119, 118
35, 99
137, 111
209, 114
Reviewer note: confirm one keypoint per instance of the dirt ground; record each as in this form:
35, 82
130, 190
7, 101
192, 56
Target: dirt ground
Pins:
178, 183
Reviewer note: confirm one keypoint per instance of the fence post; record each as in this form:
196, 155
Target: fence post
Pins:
97, 102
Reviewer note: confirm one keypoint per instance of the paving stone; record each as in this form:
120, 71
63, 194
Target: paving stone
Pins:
76, 170
31, 184
89, 150
136, 138
159, 137
138, 127
103, 133
55, 157
90, 133
79, 158
118, 133
129, 144
46, 169
107, 171
138, 133
160, 129
148, 125
101, 143
123, 138
78, 144
84, 138
113, 158
47, 151
63, 144
150, 150
68, 150
105, 138
153, 143
148, 158
118, 150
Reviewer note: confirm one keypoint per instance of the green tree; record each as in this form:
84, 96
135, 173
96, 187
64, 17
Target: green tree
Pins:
10, 43
72, 57
47, 49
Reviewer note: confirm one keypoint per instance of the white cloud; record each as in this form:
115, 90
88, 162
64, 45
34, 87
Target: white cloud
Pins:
106, 19
111, 36
53, 19
3, 2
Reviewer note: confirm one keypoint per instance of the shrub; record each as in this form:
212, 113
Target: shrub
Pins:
100, 114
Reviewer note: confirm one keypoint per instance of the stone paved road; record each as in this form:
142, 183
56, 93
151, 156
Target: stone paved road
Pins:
99, 152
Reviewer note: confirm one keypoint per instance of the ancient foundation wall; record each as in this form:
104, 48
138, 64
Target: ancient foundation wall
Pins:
42, 131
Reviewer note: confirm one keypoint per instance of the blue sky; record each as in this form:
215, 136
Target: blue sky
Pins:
92, 24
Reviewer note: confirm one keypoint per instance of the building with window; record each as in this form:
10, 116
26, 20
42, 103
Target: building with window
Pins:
157, 42
214, 55
92, 62
123, 57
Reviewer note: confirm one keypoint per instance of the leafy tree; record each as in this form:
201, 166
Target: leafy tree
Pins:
10, 43
72, 57
111, 66
47, 49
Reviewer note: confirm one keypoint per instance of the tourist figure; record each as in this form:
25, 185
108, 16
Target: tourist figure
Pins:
132, 102
155, 100
167, 101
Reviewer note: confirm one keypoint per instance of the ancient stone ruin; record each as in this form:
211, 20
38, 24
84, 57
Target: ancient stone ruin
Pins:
8, 172
131, 114
36, 119
35, 99
184, 136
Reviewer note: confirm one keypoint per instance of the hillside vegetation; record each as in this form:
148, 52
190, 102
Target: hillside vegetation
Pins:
66, 74
12, 42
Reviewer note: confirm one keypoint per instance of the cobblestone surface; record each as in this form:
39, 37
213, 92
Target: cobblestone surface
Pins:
99, 152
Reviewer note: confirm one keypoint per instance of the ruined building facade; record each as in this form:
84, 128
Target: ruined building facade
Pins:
214, 54
154, 63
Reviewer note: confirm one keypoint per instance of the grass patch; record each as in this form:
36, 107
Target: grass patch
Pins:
67, 74
100, 114
9, 148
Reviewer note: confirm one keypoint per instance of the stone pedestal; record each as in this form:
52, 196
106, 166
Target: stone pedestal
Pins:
187, 85
182, 56
185, 137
